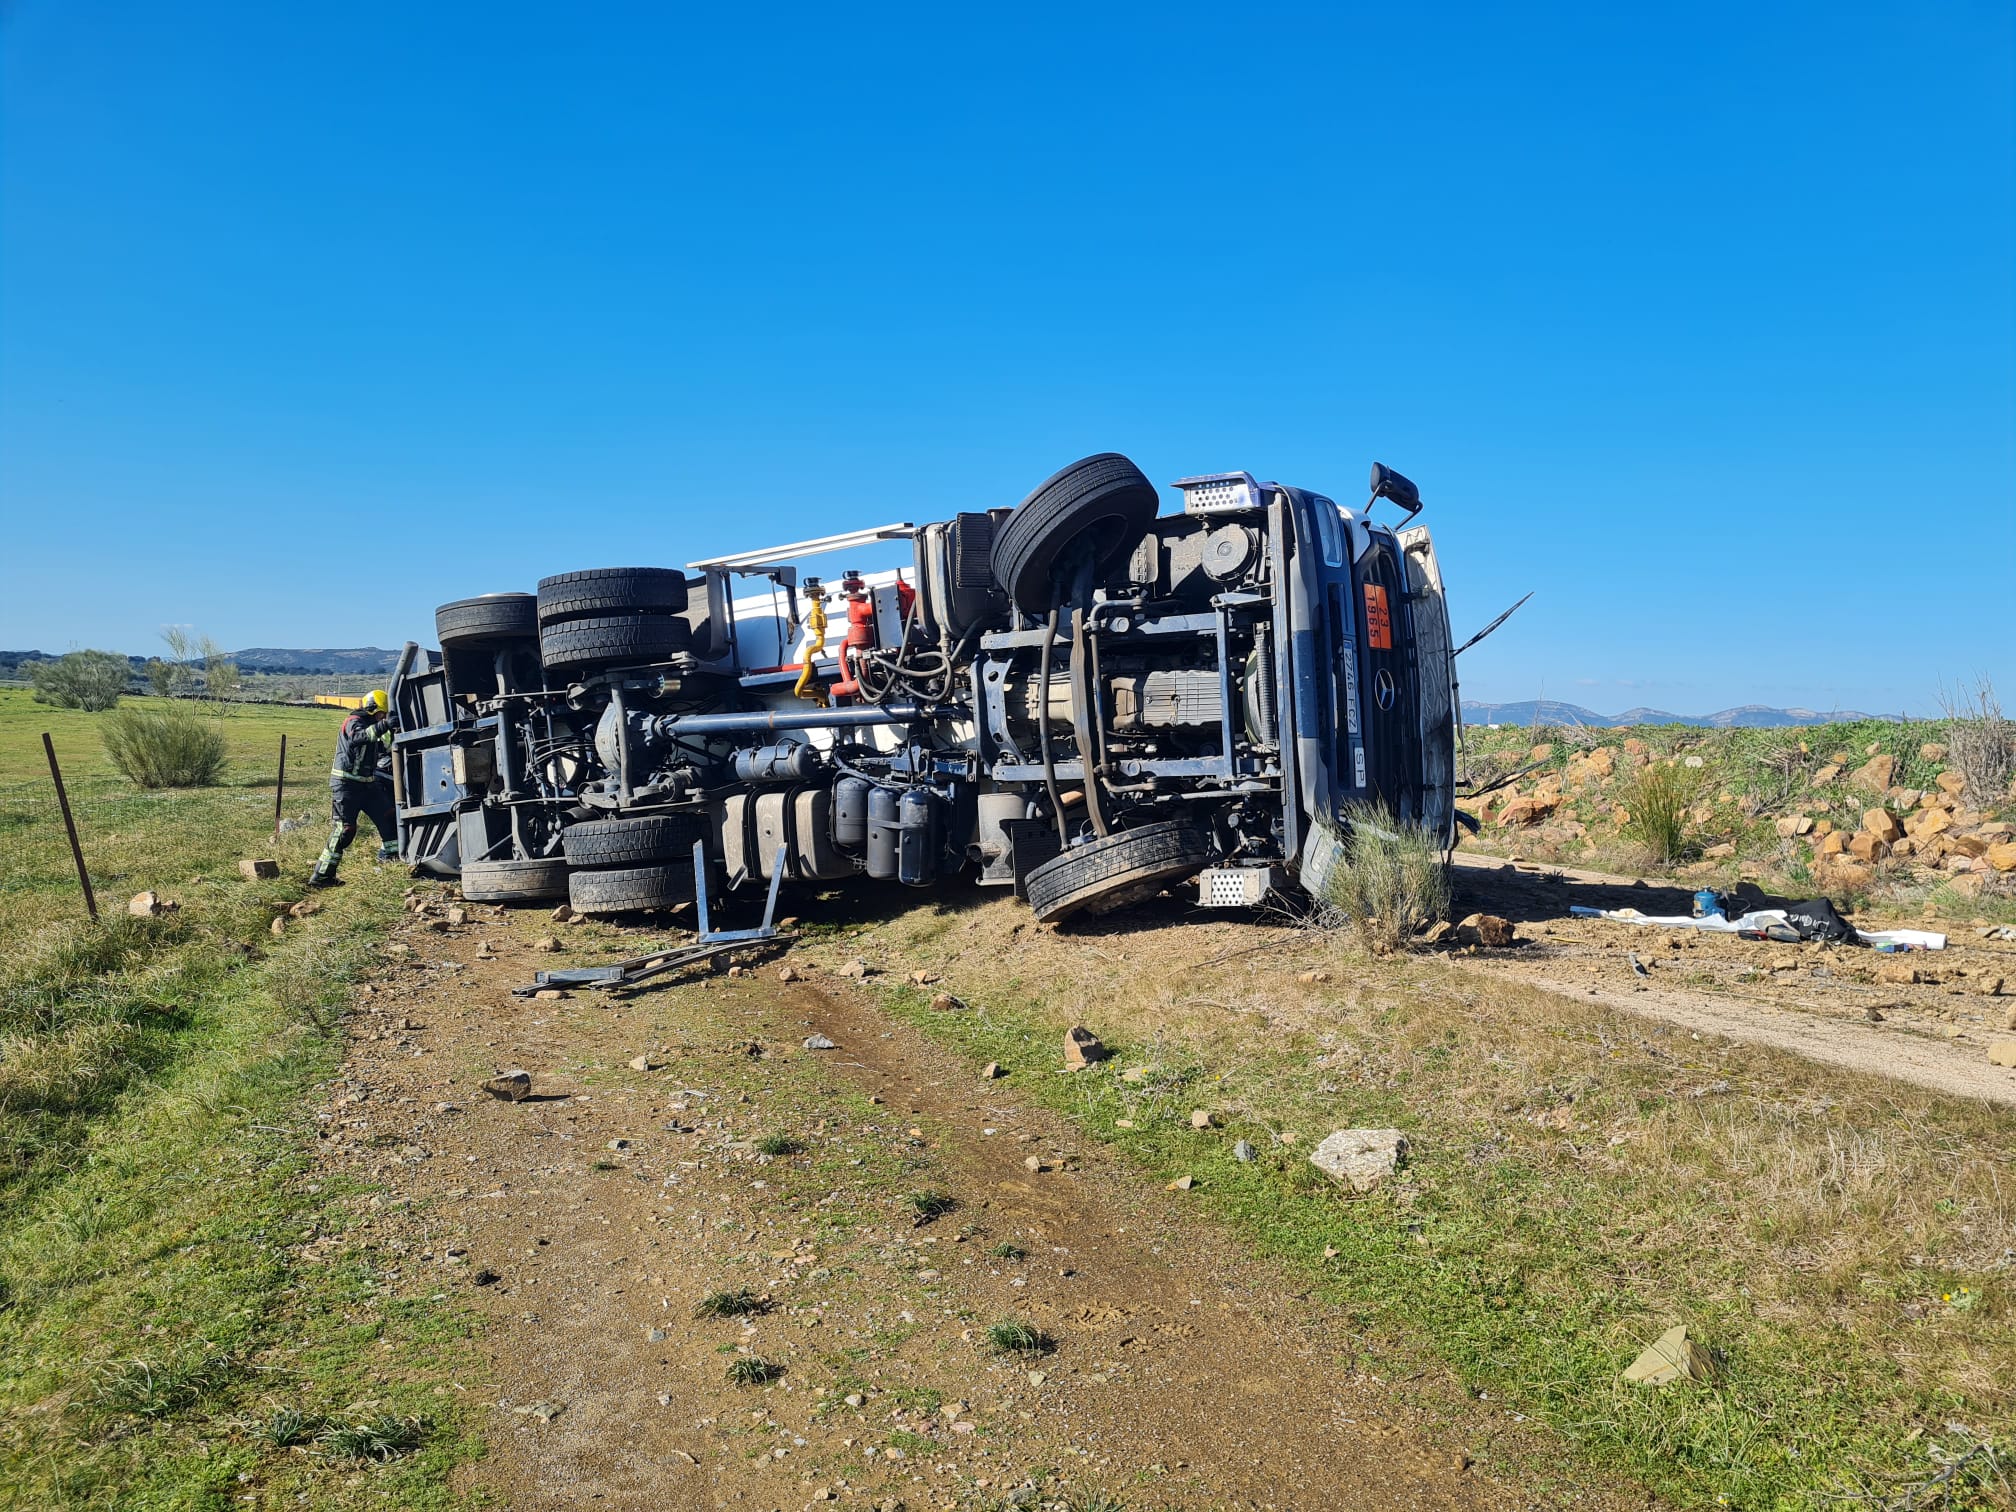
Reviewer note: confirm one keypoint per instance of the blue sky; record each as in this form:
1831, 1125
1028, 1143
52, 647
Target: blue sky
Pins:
1699, 322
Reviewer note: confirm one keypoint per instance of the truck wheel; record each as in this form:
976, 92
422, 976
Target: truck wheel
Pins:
537, 881
629, 640
1105, 497
485, 621
630, 891
636, 841
611, 590
1116, 870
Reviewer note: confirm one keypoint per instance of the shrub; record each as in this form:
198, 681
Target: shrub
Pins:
1392, 882
1980, 743
89, 680
1657, 799
159, 748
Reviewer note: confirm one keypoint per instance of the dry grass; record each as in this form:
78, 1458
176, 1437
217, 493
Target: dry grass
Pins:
1392, 882
1980, 743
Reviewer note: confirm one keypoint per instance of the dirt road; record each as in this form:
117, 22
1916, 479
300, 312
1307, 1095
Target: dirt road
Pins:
585, 1223
1843, 1006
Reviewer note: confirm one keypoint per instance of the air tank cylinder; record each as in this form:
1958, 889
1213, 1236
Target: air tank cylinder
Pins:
786, 761
883, 832
850, 813
917, 839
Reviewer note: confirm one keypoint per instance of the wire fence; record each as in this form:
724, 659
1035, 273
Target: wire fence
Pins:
134, 838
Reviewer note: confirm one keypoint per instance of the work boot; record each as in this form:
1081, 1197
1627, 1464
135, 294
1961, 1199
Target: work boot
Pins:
316, 879
388, 853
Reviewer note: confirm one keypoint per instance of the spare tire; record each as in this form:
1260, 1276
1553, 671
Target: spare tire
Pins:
536, 881
630, 891
1117, 869
633, 841
629, 640
486, 620
1105, 498
611, 590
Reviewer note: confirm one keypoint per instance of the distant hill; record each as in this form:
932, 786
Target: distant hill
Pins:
1748, 717
315, 661
355, 661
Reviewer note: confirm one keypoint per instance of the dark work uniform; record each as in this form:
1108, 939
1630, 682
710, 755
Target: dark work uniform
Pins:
360, 785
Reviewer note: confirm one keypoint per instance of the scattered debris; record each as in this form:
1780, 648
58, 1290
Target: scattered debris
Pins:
1637, 966
1082, 1047
1360, 1158
485, 1277
1244, 1153
1670, 1357
511, 1086
819, 1042
260, 870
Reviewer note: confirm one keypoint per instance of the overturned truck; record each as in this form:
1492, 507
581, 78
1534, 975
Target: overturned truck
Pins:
1079, 697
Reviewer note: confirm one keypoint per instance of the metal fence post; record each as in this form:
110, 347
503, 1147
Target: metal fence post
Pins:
280, 787
70, 825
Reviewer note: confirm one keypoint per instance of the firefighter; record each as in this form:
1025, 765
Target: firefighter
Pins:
360, 784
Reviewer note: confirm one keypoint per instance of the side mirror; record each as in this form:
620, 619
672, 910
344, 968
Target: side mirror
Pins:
1388, 484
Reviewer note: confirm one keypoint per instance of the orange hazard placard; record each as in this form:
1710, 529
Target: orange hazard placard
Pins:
1378, 623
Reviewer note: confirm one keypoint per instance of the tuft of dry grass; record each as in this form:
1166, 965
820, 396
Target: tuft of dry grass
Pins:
1392, 882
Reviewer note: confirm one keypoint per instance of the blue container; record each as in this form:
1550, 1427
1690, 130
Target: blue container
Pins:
1706, 903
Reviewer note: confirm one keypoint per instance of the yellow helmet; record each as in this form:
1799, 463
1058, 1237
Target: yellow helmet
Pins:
376, 701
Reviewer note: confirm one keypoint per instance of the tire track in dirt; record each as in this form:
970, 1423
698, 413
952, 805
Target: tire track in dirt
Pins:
1184, 1375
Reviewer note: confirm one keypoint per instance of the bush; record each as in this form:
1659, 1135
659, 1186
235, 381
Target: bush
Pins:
89, 680
171, 747
1980, 743
1657, 799
1392, 883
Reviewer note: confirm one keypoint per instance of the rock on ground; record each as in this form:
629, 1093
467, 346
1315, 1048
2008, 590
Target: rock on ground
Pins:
1360, 1158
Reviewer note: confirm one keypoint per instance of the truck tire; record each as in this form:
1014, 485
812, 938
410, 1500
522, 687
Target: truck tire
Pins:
1105, 496
1116, 870
611, 590
626, 640
639, 840
486, 620
540, 880
630, 890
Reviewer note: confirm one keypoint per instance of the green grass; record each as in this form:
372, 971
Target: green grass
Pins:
1017, 1336
753, 1370
739, 1303
777, 1145
163, 1334
929, 1204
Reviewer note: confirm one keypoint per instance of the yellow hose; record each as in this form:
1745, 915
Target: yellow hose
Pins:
815, 643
